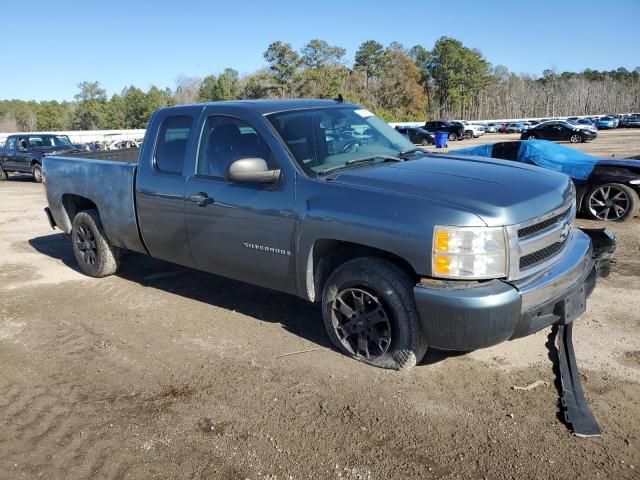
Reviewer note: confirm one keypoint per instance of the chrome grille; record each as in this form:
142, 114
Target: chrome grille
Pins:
536, 243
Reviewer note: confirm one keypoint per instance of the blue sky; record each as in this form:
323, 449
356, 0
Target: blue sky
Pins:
119, 43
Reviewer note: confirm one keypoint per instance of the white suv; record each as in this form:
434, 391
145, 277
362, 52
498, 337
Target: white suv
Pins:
475, 130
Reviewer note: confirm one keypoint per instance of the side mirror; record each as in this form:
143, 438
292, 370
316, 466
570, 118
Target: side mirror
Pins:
252, 170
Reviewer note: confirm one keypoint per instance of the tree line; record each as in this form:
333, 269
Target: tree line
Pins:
397, 83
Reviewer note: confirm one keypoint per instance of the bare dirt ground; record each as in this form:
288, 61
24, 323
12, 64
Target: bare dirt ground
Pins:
165, 372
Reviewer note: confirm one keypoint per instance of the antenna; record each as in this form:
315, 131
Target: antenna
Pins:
339, 99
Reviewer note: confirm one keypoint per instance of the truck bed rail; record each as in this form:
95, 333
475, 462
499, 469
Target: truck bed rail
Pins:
126, 155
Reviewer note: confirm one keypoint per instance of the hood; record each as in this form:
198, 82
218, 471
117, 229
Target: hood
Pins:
622, 162
498, 191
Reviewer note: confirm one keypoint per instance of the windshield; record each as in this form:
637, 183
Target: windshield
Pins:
328, 139
49, 141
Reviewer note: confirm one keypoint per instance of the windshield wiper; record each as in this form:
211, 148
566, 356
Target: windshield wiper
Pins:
386, 158
358, 161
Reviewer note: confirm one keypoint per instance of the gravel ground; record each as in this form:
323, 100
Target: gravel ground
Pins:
165, 372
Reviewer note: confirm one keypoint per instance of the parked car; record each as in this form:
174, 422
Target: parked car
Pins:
503, 128
417, 135
559, 130
23, 153
606, 188
587, 122
401, 249
121, 144
491, 128
456, 132
633, 122
514, 128
587, 125
605, 123
470, 129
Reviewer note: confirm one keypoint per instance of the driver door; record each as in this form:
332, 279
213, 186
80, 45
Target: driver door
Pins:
10, 154
239, 230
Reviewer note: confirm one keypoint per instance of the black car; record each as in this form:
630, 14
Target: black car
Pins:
606, 188
559, 130
23, 153
417, 135
633, 122
456, 132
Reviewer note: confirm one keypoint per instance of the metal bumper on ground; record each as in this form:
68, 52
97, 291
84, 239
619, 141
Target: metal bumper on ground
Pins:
470, 315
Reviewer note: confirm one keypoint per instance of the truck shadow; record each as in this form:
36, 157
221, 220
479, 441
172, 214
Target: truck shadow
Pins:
295, 314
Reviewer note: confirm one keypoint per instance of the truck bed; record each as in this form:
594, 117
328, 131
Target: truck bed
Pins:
126, 155
107, 182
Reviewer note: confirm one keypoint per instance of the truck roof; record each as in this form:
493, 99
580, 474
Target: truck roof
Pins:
265, 107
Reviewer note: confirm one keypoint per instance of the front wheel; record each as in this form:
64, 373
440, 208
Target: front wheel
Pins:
37, 172
612, 202
370, 314
576, 138
453, 137
424, 142
3, 175
94, 253
531, 137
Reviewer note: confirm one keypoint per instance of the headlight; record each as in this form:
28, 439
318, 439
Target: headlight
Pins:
471, 253
635, 182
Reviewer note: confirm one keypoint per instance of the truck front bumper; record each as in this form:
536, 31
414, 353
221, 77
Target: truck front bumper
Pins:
466, 316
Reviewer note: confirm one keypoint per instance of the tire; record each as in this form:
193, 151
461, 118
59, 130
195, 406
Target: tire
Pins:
393, 337
611, 202
96, 257
424, 142
37, 172
453, 137
576, 138
3, 175
532, 137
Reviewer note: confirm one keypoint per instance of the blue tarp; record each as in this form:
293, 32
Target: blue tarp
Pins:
545, 154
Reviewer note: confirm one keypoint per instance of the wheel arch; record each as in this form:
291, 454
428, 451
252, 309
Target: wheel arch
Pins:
72, 204
327, 254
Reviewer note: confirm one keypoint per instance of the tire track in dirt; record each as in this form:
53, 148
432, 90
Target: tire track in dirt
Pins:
41, 425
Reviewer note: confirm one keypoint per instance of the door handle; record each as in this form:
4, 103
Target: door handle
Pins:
202, 199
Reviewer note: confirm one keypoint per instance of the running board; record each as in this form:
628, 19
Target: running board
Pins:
575, 407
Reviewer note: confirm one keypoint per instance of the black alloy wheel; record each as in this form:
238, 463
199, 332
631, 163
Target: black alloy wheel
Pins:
86, 244
361, 323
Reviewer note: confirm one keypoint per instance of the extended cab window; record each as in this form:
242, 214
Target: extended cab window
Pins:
11, 144
171, 147
226, 139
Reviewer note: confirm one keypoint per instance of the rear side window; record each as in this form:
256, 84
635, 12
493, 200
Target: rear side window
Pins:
171, 147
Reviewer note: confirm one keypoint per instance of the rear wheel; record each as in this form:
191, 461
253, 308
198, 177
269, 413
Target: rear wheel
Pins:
370, 314
424, 142
612, 202
531, 137
575, 138
37, 172
94, 253
3, 175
